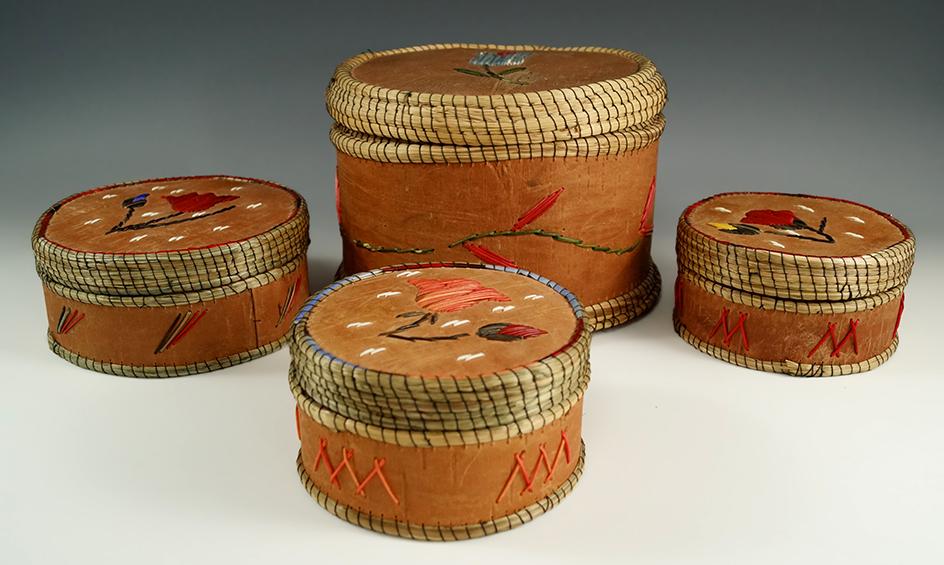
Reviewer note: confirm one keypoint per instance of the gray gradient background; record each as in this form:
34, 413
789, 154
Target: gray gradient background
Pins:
690, 460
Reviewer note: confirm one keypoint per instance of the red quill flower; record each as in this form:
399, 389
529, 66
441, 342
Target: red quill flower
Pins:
196, 202
509, 332
488, 256
452, 295
537, 210
769, 218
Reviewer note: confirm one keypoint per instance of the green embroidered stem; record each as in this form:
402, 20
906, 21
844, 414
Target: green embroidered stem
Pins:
381, 249
555, 236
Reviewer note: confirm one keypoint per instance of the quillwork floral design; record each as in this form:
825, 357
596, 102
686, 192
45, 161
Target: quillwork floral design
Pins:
442, 296
452, 295
195, 203
487, 60
509, 332
776, 222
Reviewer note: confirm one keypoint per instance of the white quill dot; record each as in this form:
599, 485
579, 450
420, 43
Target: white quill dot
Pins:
469, 356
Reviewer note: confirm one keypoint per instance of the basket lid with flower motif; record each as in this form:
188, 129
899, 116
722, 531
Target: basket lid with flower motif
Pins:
794, 246
440, 354
169, 235
473, 102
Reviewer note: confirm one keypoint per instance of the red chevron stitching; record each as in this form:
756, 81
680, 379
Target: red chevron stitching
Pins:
529, 478
830, 335
347, 455
730, 333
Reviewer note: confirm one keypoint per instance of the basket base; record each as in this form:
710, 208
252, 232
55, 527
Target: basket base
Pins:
163, 371
441, 533
786, 366
627, 307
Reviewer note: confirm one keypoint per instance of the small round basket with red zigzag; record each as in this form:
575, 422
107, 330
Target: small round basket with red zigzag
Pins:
440, 401
172, 276
522, 156
795, 284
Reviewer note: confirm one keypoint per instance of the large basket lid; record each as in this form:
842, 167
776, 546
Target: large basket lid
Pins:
169, 235
494, 95
794, 246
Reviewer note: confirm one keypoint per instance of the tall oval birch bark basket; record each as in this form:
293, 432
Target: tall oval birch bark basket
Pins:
789, 283
172, 276
440, 401
521, 156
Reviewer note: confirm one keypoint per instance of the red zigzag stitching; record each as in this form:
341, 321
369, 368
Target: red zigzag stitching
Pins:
730, 333
346, 457
529, 478
830, 334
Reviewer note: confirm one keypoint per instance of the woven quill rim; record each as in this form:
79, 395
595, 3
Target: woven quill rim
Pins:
797, 277
786, 366
384, 150
180, 299
521, 118
793, 306
162, 371
170, 272
427, 411
424, 532
438, 411
485, 430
